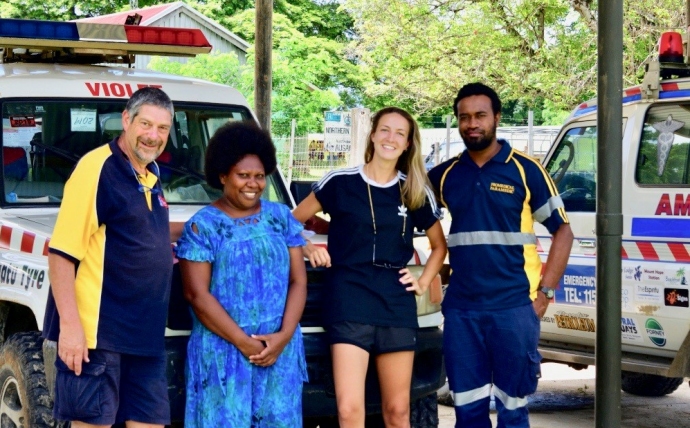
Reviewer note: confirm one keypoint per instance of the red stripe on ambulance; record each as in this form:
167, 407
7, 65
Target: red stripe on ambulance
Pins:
647, 250
27, 245
679, 251
5, 236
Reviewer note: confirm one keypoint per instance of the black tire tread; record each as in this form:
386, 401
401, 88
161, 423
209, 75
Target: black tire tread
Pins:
424, 412
23, 352
648, 385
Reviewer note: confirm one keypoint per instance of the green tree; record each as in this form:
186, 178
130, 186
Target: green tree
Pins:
310, 73
64, 10
304, 74
529, 50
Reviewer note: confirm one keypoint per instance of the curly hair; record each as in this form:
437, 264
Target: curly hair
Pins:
477, 88
231, 143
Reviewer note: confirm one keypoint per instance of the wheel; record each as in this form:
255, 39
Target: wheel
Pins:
24, 397
424, 412
648, 385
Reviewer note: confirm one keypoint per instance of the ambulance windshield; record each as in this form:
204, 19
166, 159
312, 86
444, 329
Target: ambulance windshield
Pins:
43, 140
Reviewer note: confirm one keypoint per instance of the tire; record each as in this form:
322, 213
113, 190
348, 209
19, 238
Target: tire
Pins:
24, 397
648, 385
424, 412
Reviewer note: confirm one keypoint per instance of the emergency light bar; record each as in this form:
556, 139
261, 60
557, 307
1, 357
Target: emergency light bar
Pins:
106, 39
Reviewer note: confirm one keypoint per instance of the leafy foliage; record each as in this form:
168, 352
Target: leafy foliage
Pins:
531, 51
540, 55
304, 69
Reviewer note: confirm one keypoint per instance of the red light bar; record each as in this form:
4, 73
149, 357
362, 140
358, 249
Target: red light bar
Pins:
166, 36
107, 38
671, 47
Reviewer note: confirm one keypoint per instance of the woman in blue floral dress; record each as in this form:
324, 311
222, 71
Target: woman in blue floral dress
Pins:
244, 276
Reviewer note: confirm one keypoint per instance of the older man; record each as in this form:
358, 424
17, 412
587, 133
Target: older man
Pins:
110, 265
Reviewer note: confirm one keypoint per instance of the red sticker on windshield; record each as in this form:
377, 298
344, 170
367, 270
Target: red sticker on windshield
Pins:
22, 121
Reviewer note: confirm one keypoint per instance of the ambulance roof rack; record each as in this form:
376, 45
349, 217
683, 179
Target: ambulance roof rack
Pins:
24, 40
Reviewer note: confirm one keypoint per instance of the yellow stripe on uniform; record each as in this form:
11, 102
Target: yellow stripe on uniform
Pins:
78, 234
549, 182
443, 179
532, 261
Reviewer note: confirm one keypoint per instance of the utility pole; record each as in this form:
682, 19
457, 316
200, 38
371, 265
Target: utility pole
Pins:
263, 44
607, 403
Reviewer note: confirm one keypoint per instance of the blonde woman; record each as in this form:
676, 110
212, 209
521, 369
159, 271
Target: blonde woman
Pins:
370, 305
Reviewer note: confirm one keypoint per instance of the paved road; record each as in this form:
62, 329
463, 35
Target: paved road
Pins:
565, 399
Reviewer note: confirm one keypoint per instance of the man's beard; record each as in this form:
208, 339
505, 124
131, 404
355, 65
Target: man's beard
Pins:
146, 157
479, 144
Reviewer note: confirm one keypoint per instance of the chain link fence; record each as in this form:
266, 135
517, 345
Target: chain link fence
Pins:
309, 159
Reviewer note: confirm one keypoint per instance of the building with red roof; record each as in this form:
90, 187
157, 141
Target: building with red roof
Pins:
180, 15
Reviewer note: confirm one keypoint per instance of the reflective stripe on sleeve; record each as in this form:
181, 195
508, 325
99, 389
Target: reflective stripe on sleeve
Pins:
544, 212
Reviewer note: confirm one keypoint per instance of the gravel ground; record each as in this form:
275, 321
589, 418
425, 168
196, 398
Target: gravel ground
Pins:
565, 399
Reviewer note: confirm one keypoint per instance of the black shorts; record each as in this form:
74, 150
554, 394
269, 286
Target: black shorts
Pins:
113, 388
373, 338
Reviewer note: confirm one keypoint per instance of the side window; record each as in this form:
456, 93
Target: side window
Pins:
573, 169
664, 156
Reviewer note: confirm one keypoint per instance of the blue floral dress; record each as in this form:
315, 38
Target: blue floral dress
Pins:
250, 273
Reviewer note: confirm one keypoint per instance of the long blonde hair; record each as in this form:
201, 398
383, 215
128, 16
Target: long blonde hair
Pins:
409, 163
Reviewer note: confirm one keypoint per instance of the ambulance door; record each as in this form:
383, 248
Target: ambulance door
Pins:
656, 241
573, 168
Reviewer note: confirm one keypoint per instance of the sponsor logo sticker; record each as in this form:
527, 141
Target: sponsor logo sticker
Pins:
629, 330
648, 293
676, 297
579, 322
655, 332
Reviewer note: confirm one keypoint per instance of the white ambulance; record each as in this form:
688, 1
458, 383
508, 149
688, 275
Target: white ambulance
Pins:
57, 103
655, 301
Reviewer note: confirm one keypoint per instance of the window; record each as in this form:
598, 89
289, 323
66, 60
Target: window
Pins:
43, 140
664, 154
573, 168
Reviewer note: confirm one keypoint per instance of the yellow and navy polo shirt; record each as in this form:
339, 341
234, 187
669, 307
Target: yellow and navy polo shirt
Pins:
492, 244
117, 234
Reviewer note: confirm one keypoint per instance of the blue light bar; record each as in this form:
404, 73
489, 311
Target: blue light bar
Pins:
33, 29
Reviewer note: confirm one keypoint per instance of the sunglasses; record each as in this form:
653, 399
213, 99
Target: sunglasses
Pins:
142, 187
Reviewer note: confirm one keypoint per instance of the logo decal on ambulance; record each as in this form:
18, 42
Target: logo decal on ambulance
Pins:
676, 297
655, 332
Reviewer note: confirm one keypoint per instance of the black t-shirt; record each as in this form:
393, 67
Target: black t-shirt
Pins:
358, 290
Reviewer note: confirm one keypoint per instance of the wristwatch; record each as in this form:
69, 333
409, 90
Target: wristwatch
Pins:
548, 291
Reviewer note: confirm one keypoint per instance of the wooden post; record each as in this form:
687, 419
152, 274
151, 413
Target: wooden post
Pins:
291, 156
263, 45
361, 123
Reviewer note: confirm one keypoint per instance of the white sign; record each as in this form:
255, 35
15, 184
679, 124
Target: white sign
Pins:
83, 120
337, 137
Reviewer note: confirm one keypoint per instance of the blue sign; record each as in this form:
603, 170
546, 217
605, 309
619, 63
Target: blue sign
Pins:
332, 116
578, 286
